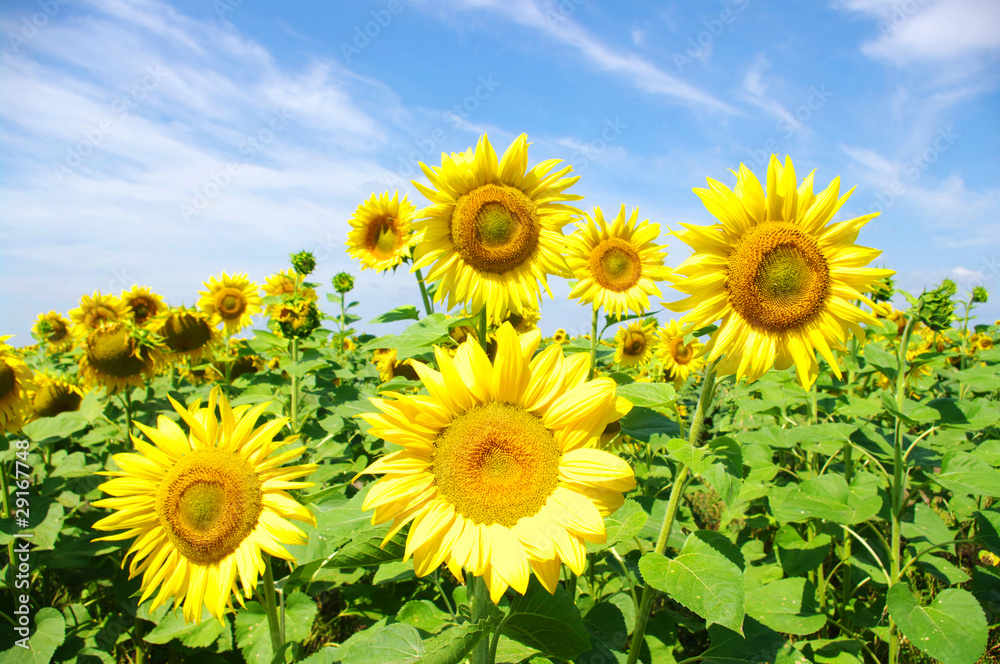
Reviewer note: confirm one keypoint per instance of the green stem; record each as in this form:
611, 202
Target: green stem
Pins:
965, 342
5, 487
295, 384
676, 491
478, 596
428, 305
140, 652
897, 483
593, 342
128, 415
481, 330
271, 606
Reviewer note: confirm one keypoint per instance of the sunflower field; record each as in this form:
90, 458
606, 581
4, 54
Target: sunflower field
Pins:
770, 463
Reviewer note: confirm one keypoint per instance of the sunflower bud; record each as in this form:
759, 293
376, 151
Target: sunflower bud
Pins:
297, 318
343, 283
303, 262
979, 295
883, 289
936, 308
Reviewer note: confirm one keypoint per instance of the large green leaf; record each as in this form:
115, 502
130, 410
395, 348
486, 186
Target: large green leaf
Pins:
194, 635
756, 643
405, 312
551, 624
720, 462
922, 525
50, 631
964, 414
828, 497
254, 637
965, 473
706, 577
658, 396
951, 629
980, 379
623, 525
797, 555
424, 615
787, 605
416, 339
366, 549
988, 529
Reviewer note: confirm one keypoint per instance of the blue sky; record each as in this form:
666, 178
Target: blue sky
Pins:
153, 143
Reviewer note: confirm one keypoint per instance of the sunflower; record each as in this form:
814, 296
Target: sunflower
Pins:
94, 311
115, 358
286, 283
54, 330
53, 395
230, 300
498, 473
389, 367
202, 506
633, 344
679, 359
524, 322
16, 380
984, 342
493, 232
144, 303
615, 265
780, 278
382, 232
187, 335
560, 336
297, 317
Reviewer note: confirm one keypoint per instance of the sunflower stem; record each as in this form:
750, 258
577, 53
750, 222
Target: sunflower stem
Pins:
140, 653
128, 415
478, 596
271, 606
481, 330
5, 487
649, 593
593, 342
898, 481
295, 384
428, 305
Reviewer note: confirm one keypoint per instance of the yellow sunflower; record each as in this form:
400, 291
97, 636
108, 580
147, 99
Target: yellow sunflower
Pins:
114, 358
187, 334
16, 380
144, 303
984, 342
560, 336
381, 232
389, 367
202, 506
498, 472
284, 283
231, 301
780, 278
54, 330
493, 232
615, 265
679, 359
53, 395
634, 344
524, 322
94, 311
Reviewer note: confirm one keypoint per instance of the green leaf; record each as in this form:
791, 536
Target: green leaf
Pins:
964, 473
416, 339
366, 549
912, 413
980, 379
887, 363
195, 635
827, 497
798, 556
760, 644
50, 632
397, 643
787, 606
658, 396
988, 530
921, 524
719, 462
424, 615
452, 645
405, 312
61, 426
623, 525
964, 414
951, 629
551, 624
706, 577
254, 637
643, 423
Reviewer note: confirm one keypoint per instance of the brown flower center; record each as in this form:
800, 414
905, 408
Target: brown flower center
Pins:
495, 228
615, 265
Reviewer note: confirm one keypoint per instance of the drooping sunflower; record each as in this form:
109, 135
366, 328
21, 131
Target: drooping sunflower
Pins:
389, 367
493, 231
634, 344
144, 303
777, 274
113, 357
53, 395
381, 234
679, 359
231, 301
94, 311
16, 380
187, 335
54, 331
202, 506
498, 472
615, 265
525, 321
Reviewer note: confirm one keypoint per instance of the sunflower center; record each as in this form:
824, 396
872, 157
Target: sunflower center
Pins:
615, 265
112, 352
634, 343
57, 331
682, 353
495, 228
384, 238
230, 303
7, 379
55, 398
143, 309
209, 503
184, 332
496, 463
100, 315
778, 277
